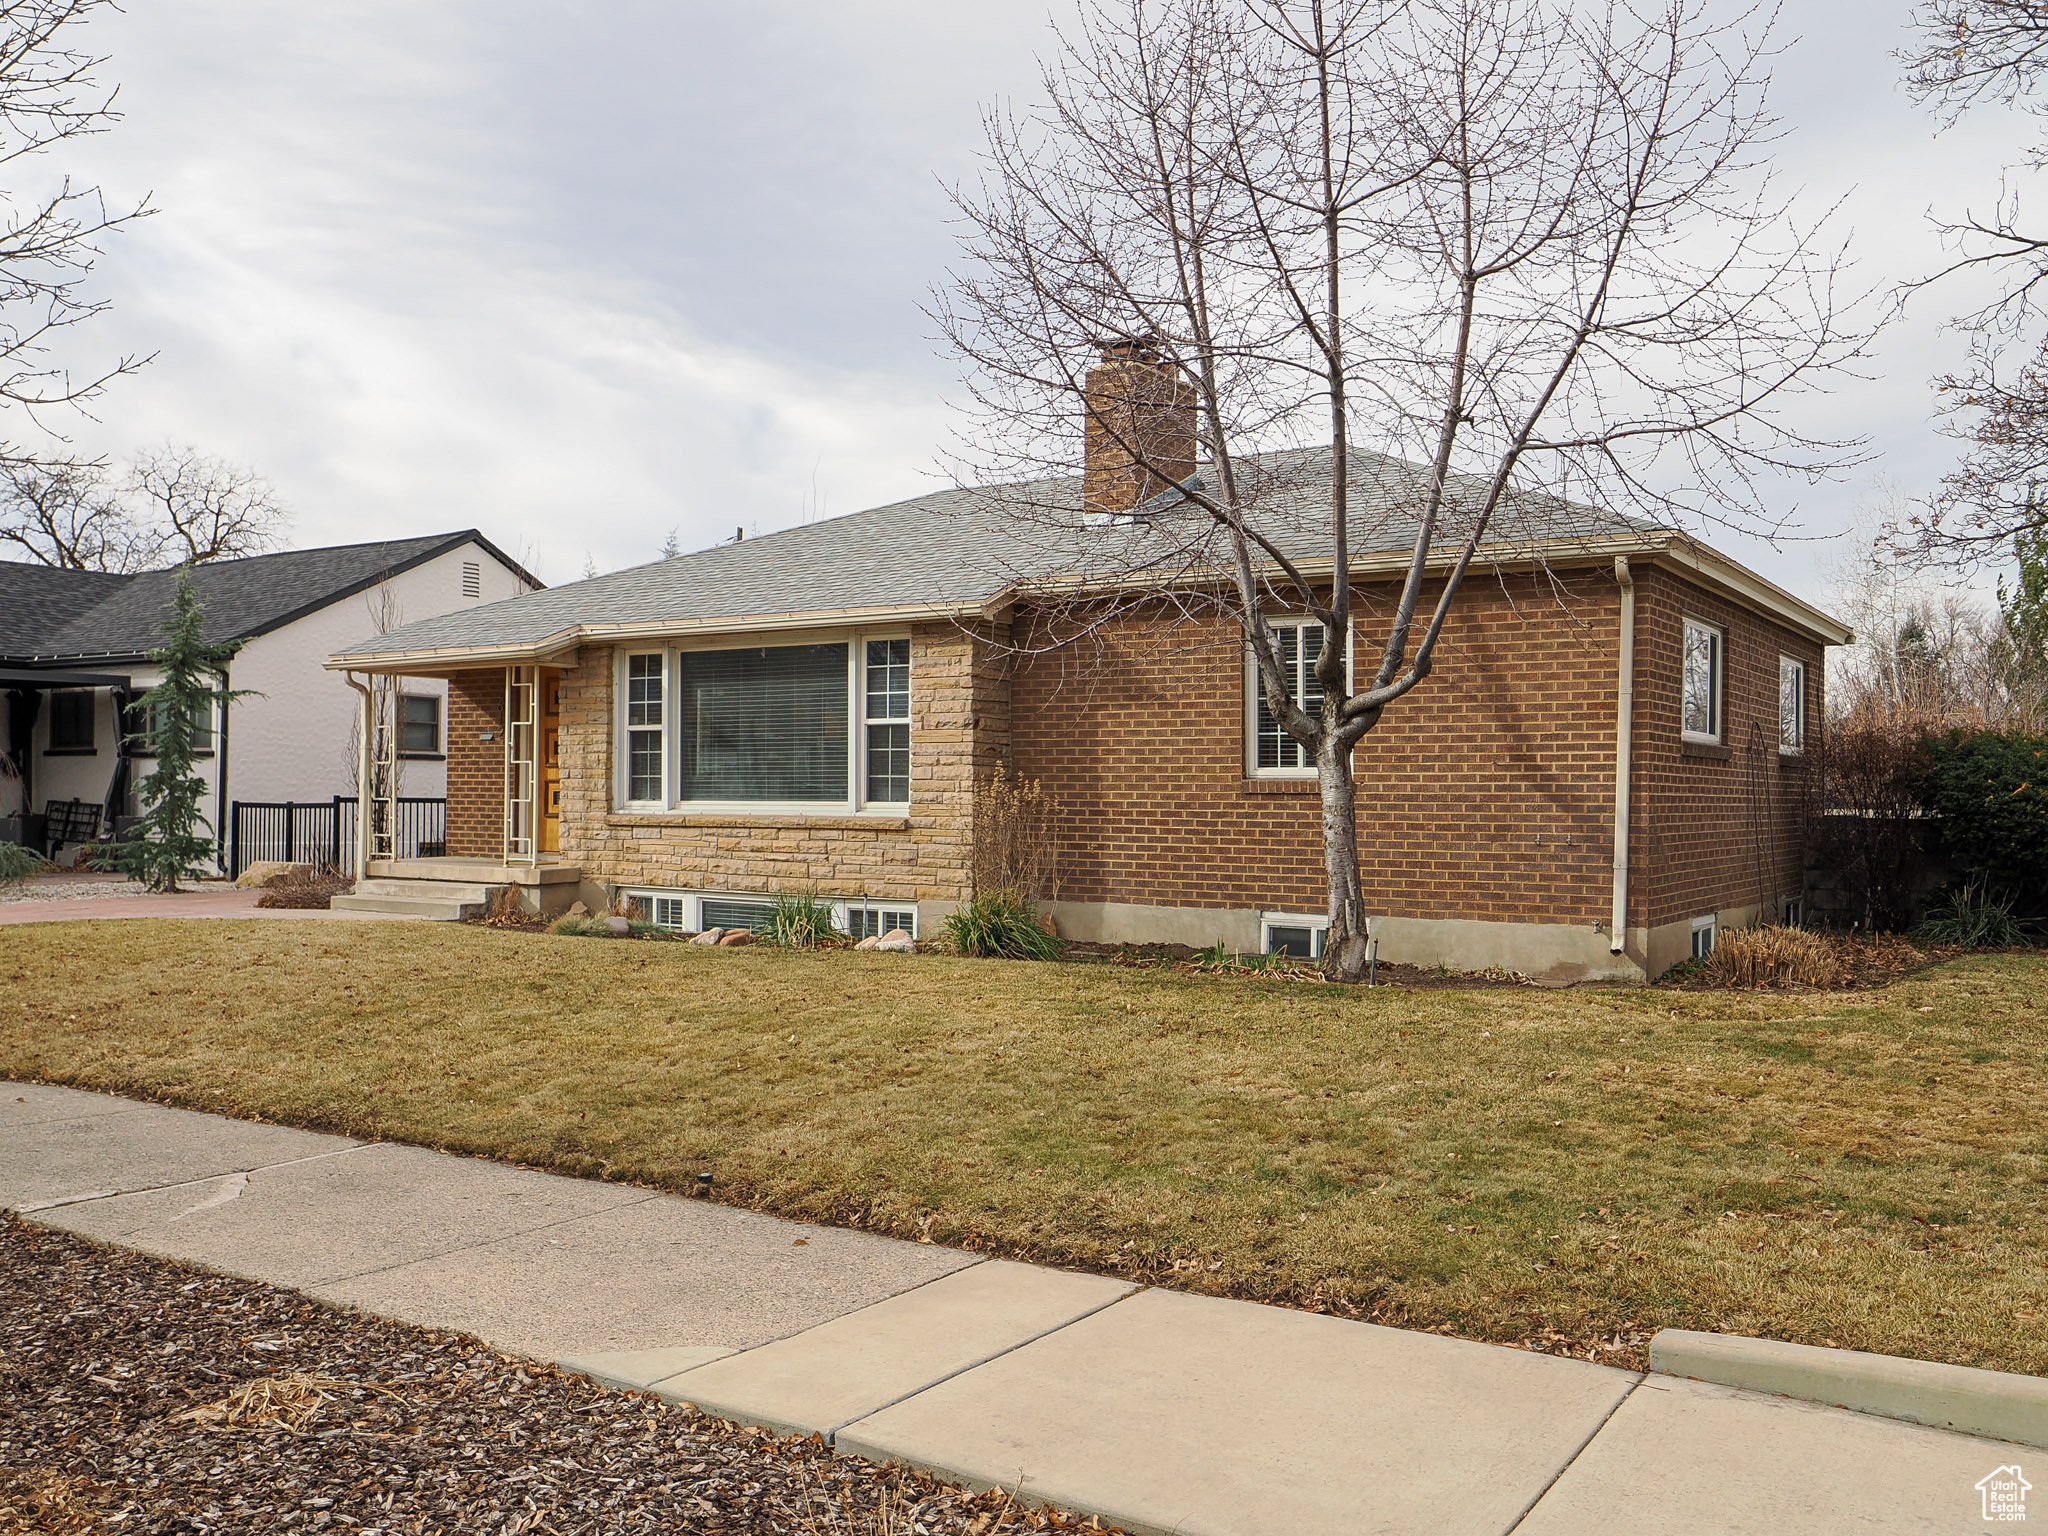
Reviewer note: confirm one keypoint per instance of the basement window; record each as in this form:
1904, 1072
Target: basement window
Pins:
1297, 936
1704, 931
695, 912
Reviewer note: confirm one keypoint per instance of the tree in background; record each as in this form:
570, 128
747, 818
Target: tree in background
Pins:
171, 506
1529, 247
2023, 612
1974, 53
48, 240
173, 840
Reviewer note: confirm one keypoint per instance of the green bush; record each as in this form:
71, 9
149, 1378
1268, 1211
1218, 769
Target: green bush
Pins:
1001, 925
798, 921
1988, 791
1974, 917
18, 863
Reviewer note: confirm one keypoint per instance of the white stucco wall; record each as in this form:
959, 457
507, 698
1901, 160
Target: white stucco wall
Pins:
292, 741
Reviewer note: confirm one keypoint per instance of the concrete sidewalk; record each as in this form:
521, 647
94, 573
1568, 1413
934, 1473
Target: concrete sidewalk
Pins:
1157, 1410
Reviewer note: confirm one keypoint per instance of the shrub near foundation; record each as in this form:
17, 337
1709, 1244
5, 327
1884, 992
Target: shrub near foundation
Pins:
1777, 957
1001, 925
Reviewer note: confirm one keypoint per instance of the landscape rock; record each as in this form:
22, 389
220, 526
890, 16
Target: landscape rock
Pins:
261, 873
618, 927
896, 941
869, 942
579, 910
709, 936
737, 936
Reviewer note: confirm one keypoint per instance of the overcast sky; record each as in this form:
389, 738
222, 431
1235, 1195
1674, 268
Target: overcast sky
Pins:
578, 275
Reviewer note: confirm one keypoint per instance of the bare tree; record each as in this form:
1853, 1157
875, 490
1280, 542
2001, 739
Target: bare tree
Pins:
201, 507
49, 240
1484, 256
173, 506
1973, 53
63, 512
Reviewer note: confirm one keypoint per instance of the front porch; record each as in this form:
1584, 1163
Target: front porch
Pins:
453, 889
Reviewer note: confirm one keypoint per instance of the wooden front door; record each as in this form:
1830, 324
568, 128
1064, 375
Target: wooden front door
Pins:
550, 760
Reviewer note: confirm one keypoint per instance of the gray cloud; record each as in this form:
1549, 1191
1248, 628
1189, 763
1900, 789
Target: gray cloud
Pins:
578, 275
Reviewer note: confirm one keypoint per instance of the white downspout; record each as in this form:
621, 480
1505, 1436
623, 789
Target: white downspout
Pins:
363, 776
1624, 743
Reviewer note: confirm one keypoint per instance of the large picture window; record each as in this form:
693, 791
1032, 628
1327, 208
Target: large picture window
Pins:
767, 723
1700, 710
646, 702
1300, 645
824, 724
887, 703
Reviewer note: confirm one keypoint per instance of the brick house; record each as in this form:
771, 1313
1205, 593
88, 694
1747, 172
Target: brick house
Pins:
817, 710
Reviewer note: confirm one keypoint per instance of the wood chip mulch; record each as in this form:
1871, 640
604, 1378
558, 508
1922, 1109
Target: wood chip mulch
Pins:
138, 1395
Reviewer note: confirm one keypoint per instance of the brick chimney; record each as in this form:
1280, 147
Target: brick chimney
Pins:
1136, 400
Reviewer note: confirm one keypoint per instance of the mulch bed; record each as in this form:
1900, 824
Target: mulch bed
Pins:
1184, 957
138, 1395
308, 890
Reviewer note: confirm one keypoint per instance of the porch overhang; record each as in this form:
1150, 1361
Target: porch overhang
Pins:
16, 679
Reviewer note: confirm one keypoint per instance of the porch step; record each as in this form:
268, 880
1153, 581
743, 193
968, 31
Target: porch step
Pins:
440, 909
477, 871
434, 890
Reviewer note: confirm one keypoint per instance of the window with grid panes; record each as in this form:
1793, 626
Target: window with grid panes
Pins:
888, 721
646, 694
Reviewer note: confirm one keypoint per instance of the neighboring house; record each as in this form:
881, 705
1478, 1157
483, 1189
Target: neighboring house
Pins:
816, 710
74, 658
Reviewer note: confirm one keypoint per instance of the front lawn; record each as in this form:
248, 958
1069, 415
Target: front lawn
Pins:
1566, 1169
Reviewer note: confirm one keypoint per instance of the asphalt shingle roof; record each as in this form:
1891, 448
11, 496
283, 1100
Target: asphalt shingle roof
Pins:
49, 615
959, 549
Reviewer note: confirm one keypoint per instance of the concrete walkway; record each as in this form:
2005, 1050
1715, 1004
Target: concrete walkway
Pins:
211, 901
1157, 1410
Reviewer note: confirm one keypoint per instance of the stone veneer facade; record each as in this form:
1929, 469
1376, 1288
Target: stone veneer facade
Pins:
959, 731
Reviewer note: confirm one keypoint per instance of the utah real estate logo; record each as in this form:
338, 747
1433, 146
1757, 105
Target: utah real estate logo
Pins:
2005, 1496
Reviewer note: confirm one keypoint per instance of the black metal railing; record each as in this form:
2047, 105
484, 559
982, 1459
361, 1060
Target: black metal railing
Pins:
324, 832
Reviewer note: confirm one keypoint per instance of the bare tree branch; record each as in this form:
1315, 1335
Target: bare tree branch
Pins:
1435, 278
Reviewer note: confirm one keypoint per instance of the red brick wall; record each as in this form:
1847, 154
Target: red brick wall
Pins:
1700, 809
1486, 793
476, 768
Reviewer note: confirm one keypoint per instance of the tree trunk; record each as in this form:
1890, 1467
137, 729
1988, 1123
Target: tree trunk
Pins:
1344, 945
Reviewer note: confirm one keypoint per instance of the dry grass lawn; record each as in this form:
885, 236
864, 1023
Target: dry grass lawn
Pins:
1571, 1170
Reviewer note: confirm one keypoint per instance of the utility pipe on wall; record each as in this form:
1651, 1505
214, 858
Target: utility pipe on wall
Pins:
1624, 742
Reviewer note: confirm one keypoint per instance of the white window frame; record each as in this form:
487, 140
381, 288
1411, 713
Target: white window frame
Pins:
855, 804
690, 906
1792, 911
1253, 685
862, 720
1719, 683
622, 739
1792, 670
1317, 924
1710, 925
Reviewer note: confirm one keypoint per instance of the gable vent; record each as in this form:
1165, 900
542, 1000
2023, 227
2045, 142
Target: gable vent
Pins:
472, 579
